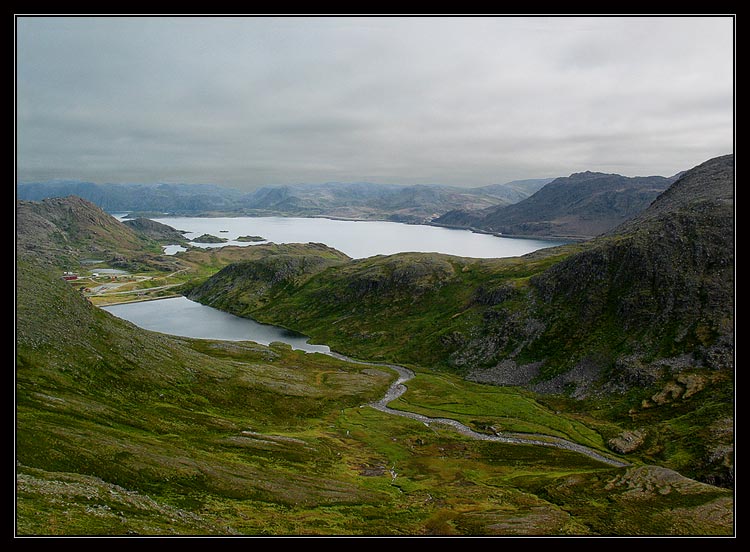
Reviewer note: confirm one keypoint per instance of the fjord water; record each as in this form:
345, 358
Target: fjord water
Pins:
183, 317
358, 239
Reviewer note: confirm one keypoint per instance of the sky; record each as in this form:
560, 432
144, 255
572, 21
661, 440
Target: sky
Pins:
254, 101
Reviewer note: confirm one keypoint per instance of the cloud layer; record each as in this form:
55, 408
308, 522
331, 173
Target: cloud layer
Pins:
251, 101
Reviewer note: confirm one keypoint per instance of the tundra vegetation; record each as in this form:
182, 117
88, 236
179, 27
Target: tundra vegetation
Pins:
623, 344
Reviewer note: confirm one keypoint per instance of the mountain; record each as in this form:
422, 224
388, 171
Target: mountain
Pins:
516, 190
67, 231
644, 313
360, 200
163, 198
580, 206
371, 201
664, 275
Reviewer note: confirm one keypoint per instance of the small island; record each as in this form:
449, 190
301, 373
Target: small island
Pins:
208, 238
250, 239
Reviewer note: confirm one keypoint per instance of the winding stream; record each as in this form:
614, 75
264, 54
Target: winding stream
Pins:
177, 316
398, 388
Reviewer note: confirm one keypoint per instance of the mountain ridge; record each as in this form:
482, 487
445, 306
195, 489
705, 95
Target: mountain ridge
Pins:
637, 309
580, 206
356, 200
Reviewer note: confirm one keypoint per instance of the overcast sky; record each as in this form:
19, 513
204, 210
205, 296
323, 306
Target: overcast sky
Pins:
252, 101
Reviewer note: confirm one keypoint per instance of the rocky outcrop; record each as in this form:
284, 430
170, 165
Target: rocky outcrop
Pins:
208, 238
162, 233
627, 441
244, 286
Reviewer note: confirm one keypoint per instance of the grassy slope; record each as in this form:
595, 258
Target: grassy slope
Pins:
417, 318
125, 431
363, 307
639, 322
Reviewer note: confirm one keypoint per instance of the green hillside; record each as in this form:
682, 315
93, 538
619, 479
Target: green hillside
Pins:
623, 344
124, 431
642, 318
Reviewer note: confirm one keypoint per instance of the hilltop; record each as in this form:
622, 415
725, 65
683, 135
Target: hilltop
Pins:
68, 230
580, 206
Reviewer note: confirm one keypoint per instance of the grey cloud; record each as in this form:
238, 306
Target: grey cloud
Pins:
465, 101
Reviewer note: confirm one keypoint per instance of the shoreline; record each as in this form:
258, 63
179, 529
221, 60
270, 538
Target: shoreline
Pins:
143, 300
570, 239
567, 239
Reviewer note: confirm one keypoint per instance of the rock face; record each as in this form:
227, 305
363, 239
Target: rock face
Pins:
663, 283
627, 441
582, 205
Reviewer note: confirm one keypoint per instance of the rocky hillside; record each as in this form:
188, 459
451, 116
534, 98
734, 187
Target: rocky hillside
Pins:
516, 190
162, 233
659, 287
580, 206
66, 231
271, 270
645, 312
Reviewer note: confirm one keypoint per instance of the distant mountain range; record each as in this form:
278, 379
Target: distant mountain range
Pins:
178, 198
361, 200
580, 206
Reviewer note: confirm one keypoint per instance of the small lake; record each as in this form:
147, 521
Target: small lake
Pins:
358, 239
183, 317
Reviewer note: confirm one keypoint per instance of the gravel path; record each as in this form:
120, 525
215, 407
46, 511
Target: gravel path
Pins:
398, 388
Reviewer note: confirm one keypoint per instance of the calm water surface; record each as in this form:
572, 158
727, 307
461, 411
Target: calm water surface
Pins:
186, 318
358, 239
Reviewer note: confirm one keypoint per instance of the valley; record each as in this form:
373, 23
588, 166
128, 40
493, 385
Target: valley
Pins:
600, 345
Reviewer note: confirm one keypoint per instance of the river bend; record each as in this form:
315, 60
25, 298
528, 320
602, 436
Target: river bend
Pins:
398, 388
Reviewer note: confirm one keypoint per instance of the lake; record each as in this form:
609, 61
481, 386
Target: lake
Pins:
358, 239
183, 317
